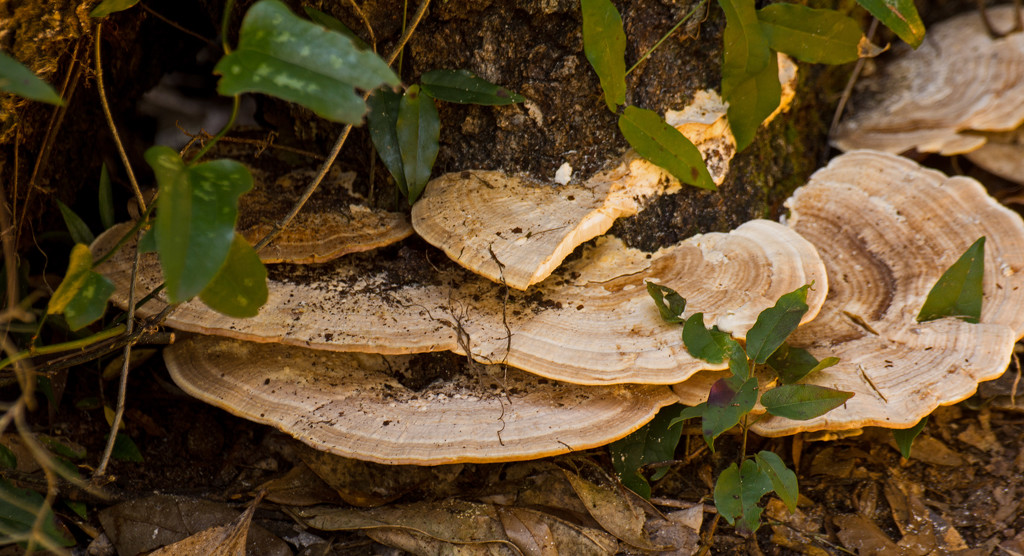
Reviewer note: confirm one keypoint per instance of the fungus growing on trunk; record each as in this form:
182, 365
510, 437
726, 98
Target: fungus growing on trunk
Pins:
887, 229
333, 223
934, 99
591, 322
359, 405
518, 230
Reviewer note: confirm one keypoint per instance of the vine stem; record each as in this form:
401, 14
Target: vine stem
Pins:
340, 142
666, 36
110, 121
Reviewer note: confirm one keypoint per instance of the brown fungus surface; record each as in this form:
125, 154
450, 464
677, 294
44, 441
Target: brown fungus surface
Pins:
360, 406
934, 99
592, 322
334, 222
887, 229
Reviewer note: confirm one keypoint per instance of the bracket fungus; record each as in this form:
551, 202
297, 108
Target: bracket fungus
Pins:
517, 230
934, 99
334, 222
887, 229
592, 322
356, 405
1002, 155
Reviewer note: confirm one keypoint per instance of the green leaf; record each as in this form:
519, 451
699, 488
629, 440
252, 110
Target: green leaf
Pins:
699, 341
147, 243
739, 365
418, 129
654, 442
106, 199
334, 24
60, 448
463, 87
670, 304
383, 121
745, 44
82, 295
283, 55
752, 100
80, 508
905, 437
815, 36
728, 401
784, 481
195, 221
776, 323
108, 7
7, 458
803, 401
900, 16
79, 230
125, 449
665, 146
737, 492
240, 287
792, 363
604, 43
18, 510
16, 78
958, 291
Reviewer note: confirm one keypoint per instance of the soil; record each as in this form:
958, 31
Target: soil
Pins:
961, 493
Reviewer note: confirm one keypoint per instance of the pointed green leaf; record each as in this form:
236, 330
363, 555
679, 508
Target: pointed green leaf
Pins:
19, 509
125, 449
82, 295
654, 442
905, 437
958, 291
147, 243
418, 129
751, 100
803, 401
79, 230
195, 221
7, 458
16, 78
745, 45
690, 413
900, 16
240, 287
699, 342
739, 365
776, 323
815, 36
107, 7
665, 146
382, 121
464, 87
737, 492
670, 304
334, 24
604, 43
106, 198
727, 403
792, 363
784, 481
283, 55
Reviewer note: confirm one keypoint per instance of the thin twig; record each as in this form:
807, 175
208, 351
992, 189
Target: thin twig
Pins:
666, 36
67, 91
848, 90
177, 26
113, 128
366, 23
10, 256
333, 155
123, 386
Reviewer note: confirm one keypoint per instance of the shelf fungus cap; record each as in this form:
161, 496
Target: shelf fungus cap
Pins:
356, 405
887, 229
592, 322
518, 230
334, 222
1002, 155
933, 99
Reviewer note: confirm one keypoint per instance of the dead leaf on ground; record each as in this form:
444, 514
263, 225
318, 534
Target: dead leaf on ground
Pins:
222, 540
300, 487
149, 523
613, 506
860, 534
